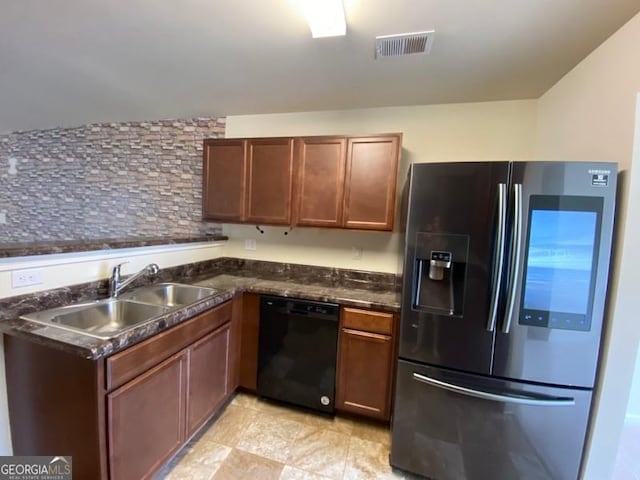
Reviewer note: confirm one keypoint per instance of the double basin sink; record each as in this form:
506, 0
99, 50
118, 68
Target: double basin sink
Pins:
112, 316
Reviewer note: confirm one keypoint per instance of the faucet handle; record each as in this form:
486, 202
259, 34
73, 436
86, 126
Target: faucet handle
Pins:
116, 269
114, 280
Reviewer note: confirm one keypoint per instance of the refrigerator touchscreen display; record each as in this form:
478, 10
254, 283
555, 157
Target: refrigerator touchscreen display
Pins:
560, 263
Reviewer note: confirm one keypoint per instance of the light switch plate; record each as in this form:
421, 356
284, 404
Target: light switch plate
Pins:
250, 244
25, 278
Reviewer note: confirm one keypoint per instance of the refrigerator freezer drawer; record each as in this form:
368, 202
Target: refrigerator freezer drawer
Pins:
451, 425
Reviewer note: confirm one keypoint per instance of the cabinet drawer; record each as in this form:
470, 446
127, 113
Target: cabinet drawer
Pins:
367, 320
125, 365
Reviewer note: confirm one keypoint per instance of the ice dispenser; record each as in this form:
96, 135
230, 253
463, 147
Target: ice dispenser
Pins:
441, 265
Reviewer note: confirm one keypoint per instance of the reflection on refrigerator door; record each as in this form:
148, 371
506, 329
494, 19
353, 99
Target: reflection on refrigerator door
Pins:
519, 431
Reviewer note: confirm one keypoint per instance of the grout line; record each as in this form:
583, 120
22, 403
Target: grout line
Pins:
346, 461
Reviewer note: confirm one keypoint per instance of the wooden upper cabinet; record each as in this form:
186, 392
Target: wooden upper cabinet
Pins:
269, 180
370, 183
224, 171
332, 181
320, 163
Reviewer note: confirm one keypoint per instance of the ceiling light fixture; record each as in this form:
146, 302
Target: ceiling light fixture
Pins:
325, 17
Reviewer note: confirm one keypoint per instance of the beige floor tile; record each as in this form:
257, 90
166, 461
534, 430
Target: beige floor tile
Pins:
317, 420
270, 436
254, 439
292, 473
241, 465
368, 460
282, 410
228, 428
335, 424
320, 451
245, 400
201, 461
374, 432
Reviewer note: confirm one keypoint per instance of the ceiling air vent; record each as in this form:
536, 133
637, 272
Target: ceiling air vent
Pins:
404, 44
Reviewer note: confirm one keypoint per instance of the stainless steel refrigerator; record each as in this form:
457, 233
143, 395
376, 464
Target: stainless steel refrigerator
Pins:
505, 281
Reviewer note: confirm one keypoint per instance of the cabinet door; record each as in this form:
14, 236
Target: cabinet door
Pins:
208, 377
146, 420
370, 184
269, 185
365, 363
320, 164
248, 368
235, 342
223, 188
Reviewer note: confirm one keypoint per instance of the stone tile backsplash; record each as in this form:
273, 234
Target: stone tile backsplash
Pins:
134, 179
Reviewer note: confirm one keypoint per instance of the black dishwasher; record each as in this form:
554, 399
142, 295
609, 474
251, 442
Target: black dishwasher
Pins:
297, 352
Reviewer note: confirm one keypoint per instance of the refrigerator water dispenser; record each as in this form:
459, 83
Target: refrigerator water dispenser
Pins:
441, 263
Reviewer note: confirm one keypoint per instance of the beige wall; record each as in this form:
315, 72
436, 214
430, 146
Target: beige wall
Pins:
590, 115
435, 133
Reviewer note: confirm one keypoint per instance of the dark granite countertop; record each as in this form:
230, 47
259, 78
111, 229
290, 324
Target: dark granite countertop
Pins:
227, 284
94, 348
66, 246
351, 297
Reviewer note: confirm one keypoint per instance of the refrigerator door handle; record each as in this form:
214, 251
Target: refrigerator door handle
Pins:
498, 264
416, 299
496, 397
516, 247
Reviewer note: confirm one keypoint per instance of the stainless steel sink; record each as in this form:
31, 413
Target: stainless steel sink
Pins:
102, 319
170, 294
109, 317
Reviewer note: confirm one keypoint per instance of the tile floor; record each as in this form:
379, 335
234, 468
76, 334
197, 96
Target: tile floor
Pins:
259, 440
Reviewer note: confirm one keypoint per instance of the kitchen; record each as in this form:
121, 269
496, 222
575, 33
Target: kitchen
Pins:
568, 122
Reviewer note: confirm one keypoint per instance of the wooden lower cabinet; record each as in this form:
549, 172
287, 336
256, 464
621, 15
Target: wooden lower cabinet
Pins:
124, 416
248, 361
133, 410
147, 419
366, 362
236, 341
208, 377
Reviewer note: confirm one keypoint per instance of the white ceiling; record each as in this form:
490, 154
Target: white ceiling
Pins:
70, 62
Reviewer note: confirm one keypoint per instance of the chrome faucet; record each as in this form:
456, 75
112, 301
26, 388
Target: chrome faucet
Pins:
116, 284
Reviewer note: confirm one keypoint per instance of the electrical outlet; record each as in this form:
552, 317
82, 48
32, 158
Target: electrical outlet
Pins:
250, 244
356, 252
24, 278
